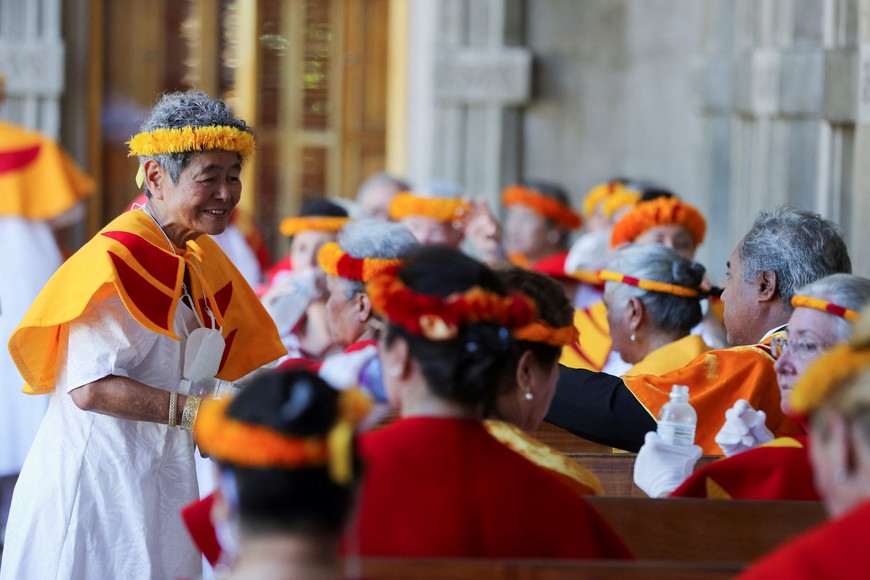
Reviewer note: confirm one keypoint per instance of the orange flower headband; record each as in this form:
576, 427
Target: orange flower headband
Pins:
439, 318
651, 285
543, 332
824, 375
824, 306
440, 209
659, 212
602, 192
550, 208
246, 445
337, 262
293, 225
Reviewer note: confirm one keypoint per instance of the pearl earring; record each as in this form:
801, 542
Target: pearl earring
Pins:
632, 337
528, 395
394, 371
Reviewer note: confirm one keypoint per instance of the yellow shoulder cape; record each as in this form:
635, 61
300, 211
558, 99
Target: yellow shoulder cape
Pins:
131, 257
38, 180
594, 345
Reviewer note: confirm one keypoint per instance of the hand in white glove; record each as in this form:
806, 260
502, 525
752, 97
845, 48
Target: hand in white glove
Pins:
342, 371
289, 297
743, 429
661, 467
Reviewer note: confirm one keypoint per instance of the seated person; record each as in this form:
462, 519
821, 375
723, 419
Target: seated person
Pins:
288, 474
521, 409
834, 395
435, 214
436, 483
653, 298
785, 249
664, 220
761, 466
293, 292
375, 194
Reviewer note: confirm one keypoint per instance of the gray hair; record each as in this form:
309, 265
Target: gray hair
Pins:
371, 238
382, 178
187, 109
799, 246
668, 312
846, 290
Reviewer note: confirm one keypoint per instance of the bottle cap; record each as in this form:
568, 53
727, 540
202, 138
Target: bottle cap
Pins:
680, 391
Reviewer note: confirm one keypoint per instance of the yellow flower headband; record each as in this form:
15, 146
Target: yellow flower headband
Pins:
824, 306
604, 191
543, 332
440, 209
438, 318
651, 285
618, 201
186, 139
246, 445
294, 225
827, 373
337, 262
550, 208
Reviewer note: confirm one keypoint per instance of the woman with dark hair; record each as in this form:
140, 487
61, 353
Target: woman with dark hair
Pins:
437, 485
288, 472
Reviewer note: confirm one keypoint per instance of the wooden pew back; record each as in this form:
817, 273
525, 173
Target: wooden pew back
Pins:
705, 529
616, 471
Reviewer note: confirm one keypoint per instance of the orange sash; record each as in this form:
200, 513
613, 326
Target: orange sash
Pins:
716, 380
38, 180
131, 257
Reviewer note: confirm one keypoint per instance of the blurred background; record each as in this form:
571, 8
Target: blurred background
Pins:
735, 105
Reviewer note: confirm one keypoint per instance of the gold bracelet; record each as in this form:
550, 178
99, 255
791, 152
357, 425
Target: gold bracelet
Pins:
188, 416
173, 408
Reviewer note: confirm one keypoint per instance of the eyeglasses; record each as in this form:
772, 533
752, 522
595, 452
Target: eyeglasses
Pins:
800, 348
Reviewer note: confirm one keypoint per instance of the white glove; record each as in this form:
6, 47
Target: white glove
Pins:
288, 298
661, 467
342, 371
743, 429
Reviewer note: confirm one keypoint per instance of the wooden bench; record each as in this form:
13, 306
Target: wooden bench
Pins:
565, 441
706, 530
616, 471
450, 569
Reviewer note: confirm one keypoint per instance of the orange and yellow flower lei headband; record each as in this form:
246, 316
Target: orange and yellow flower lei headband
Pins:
543, 332
828, 372
605, 191
246, 445
550, 208
661, 211
651, 285
824, 306
337, 262
186, 139
293, 225
438, 318
440, 209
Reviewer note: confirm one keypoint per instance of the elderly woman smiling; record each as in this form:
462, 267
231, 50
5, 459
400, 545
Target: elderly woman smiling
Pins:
146, 308
653, 299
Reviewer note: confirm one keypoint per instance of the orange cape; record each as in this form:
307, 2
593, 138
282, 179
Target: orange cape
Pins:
38, 180
716, 380
132, 258
671, 356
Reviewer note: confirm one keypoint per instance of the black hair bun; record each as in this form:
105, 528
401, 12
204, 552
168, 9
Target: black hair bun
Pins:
688, 274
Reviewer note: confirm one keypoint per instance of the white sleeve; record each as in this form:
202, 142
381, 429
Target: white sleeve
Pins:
104, 340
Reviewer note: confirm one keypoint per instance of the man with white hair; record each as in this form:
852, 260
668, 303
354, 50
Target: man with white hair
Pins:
785, 249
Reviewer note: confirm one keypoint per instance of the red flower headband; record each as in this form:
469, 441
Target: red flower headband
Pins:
438, 318
337, 262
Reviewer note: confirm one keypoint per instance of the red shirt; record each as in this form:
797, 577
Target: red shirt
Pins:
837, 549
437, 487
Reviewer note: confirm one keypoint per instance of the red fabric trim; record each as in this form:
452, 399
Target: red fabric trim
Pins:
153, 303
197, 519
155, 261
18, 159
228, 344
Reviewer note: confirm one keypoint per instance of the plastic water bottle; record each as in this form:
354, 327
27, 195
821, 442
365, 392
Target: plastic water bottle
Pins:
677, 419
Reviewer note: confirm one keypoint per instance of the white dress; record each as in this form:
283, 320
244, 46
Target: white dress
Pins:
30, 257
99, 497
